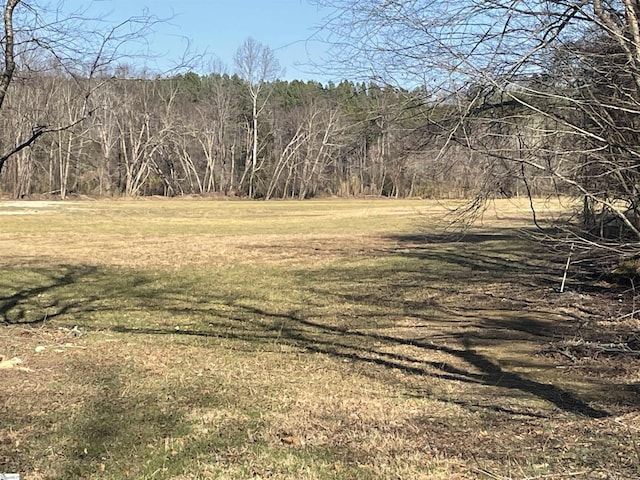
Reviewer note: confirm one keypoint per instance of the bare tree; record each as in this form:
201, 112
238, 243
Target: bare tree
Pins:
8, 45
308, 137
73, 42
218, 113
105, 134
256, 64
145, 128
539, 89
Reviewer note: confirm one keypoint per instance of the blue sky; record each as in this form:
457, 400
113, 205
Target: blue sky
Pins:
218, 28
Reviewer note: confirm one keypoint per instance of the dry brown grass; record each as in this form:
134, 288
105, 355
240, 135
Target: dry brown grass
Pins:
310, 340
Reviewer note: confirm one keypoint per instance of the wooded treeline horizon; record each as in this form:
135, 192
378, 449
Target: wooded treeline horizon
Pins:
539, 100
192, 134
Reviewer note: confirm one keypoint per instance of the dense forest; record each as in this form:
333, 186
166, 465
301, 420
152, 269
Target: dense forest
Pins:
127, 135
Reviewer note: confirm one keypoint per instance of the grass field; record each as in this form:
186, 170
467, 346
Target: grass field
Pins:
194, 339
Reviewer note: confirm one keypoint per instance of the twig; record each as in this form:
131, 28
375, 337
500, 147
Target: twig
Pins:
633, 299
566, 268
622, 317
560, 475
567, 354
489, 474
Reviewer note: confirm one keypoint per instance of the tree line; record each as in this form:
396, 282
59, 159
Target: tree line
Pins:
202, 134
531, 100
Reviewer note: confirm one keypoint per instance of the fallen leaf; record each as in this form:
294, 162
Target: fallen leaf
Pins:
295, 441
11, 363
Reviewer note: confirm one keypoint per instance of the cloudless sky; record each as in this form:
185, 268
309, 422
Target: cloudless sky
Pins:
218, 27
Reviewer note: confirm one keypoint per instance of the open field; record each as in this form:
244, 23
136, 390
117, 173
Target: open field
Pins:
194, 339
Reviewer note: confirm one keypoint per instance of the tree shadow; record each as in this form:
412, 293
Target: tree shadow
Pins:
32, 298
113, 422
489, 372
320, 338
497, 253
399, 314
34, 295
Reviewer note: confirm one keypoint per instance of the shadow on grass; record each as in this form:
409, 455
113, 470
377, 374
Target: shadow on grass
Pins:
344, 343
495, 254
115, 423
31, 296
120, 425
412, 282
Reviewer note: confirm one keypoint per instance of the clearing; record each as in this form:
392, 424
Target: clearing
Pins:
195, 339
